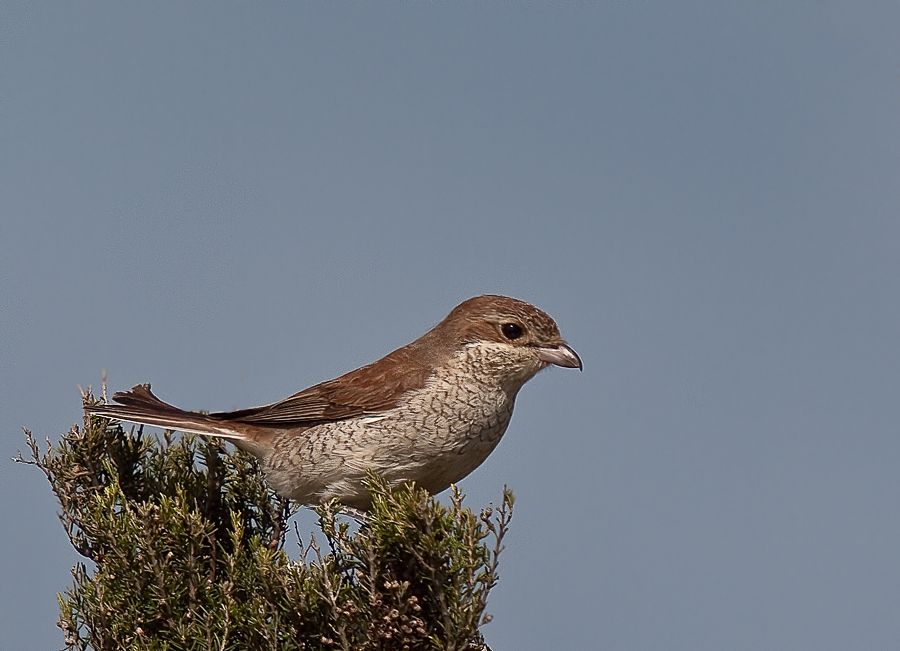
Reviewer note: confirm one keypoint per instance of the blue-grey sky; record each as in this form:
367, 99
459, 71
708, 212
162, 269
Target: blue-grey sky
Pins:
237, 200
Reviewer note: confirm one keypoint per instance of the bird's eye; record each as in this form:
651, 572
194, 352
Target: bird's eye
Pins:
511, 330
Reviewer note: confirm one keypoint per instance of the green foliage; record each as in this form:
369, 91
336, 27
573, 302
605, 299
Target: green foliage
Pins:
185, 548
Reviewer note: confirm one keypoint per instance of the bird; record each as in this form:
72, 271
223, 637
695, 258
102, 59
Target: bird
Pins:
428, 413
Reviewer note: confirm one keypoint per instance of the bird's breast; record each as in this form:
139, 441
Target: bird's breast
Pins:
450, 413
435, 435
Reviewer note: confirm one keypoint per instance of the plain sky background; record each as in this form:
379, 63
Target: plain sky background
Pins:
237, 200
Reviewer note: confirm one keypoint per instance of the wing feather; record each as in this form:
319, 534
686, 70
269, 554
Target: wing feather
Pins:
368, 390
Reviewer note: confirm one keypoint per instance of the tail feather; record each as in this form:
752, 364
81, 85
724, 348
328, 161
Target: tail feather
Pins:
140, 405
140, 396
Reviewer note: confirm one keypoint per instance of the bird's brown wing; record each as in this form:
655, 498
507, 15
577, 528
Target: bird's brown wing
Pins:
368, 390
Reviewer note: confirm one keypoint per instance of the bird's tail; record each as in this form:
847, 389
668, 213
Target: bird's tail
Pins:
139, 405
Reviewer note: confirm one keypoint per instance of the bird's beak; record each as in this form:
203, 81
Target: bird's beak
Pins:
561, 355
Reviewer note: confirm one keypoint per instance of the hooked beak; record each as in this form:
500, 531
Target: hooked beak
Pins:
561, 355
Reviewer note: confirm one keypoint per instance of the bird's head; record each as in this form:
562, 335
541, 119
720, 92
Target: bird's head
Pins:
516, 339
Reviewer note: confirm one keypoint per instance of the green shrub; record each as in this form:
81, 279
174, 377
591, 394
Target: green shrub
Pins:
185, 549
